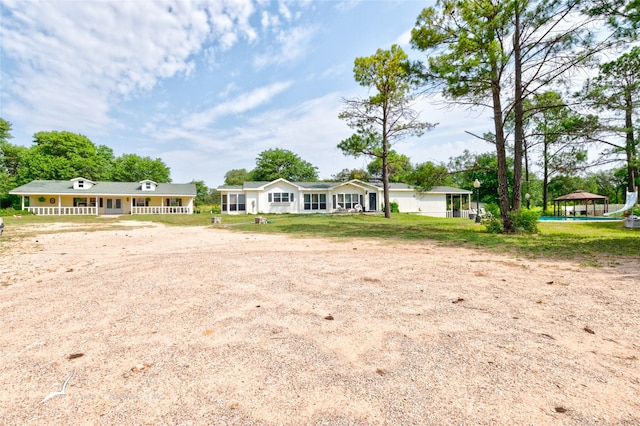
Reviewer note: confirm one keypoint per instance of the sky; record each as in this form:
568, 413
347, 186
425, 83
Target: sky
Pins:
206, 86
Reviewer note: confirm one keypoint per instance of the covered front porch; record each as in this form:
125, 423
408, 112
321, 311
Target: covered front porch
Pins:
459, 205
64, 205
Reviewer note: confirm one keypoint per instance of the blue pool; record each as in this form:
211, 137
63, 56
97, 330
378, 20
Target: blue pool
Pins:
579, 219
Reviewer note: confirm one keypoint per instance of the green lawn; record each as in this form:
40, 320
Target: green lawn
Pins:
589, 242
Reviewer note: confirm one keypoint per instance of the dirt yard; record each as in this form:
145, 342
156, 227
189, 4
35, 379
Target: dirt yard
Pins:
179, 325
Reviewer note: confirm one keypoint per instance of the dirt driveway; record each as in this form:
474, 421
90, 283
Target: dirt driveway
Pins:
180, 325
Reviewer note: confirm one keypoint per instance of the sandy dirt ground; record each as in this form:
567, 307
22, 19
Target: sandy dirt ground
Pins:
180, 325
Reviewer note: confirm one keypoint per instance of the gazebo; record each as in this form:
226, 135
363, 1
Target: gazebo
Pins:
580, 198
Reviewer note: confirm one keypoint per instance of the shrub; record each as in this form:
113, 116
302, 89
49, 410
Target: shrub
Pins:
492, 208
494, 225
525, 221
393, 206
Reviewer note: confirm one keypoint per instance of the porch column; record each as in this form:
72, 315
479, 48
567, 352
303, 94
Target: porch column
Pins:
59, 205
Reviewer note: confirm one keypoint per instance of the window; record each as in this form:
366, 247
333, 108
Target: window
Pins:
348, 201
140, 202
84, 202
280, 197
234, 203
147, 185
315, 201
80, 184
174, 201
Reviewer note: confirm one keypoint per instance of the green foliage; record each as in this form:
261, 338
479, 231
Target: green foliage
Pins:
616, 90
202, 192
349, 174
237, 177
493, 225
393, 207
492, 208
525, 221
281, 163
399, 166
134, 168
5, 130
621, 15
63, 156
427, 175
468, 167
385, 116
496, 54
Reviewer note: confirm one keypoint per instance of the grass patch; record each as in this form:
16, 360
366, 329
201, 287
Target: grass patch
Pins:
592, 243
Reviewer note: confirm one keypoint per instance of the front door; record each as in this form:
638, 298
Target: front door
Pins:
373, 202
114, 206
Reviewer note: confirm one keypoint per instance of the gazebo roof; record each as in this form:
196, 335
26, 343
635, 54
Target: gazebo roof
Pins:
581, 195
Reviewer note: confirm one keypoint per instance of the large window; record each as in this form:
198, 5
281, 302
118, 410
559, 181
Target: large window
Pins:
84, 202
280, 197
315, 201
234, 203
347, 201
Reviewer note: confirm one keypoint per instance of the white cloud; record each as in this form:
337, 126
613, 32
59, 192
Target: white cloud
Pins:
292, 44
85, 57
242, 103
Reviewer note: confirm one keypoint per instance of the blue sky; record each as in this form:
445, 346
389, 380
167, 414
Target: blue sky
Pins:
208, 85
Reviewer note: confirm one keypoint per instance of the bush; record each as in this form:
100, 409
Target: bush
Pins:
525, 221
494, 225
492, 208
393, 206
11, 212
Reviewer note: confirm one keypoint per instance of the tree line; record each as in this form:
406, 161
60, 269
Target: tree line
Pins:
61, 155
519, 59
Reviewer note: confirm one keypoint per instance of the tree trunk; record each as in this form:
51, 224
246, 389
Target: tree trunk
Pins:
518, 113
630, 147
501, 152
545, 174
385, 178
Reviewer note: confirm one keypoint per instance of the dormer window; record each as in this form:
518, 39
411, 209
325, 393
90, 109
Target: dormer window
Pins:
82, 183
148, 185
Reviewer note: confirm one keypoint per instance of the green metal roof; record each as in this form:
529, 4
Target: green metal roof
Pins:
134, 189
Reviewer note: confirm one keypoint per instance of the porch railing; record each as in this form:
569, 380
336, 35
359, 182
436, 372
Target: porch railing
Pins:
459, 213
161, 210
72, 211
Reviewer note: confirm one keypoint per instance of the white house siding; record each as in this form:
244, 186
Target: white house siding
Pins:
253, 202
406, 200
350, 189
273, 206
434, 205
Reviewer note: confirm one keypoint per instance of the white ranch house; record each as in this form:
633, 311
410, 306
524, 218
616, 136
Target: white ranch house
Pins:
282, 196
81, 196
